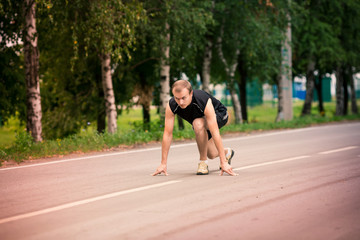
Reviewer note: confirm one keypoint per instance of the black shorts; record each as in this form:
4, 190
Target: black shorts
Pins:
221, 119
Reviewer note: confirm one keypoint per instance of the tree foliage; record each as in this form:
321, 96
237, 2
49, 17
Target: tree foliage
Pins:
12, 79
73, 35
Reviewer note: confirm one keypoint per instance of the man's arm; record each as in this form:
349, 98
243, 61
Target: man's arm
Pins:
210, 116
167, 138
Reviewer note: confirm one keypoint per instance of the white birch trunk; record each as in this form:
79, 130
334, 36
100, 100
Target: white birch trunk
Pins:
31, 57
234, 95
354, 108
206, 69
230, 69
286, 77
165, 75
109, 96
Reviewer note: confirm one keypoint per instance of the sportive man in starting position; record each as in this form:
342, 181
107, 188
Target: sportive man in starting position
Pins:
207, 115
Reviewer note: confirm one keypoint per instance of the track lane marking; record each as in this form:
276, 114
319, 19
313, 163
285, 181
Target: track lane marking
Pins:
338, 150
80, 158
85, 201
272, 162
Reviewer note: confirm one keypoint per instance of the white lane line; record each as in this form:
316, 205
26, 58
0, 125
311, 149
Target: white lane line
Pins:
271, 163
280, 132
85, 201
96, 156
81, 158
339, 150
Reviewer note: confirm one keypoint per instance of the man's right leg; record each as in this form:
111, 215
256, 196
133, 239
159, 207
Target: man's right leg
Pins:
201, 137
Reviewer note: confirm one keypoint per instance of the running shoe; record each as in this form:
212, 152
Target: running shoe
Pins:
203, 168
229, 156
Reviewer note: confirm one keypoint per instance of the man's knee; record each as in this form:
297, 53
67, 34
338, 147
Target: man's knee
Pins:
199, 124
212, 155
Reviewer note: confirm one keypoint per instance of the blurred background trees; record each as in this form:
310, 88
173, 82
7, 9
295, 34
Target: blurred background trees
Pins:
96, 56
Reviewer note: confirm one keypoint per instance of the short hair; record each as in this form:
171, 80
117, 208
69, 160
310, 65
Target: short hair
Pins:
179, 85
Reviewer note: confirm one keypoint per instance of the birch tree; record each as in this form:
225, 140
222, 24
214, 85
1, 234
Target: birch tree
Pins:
110, 29
285, 85
354, 107
31, 58
173, 36
230, 17
207, 57
206, 66
165, 72
230, 69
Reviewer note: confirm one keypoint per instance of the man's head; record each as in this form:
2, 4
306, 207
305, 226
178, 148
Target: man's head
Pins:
182, 91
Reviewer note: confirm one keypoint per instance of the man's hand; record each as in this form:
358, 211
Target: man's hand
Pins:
161, 169
227, 168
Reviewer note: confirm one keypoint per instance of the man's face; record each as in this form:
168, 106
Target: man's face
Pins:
183, 98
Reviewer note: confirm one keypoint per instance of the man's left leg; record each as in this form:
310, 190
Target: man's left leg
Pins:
212, 151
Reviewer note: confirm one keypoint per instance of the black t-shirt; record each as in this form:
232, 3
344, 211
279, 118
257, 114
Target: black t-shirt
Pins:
197, 106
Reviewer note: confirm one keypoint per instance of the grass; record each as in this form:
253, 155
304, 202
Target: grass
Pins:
7, 132
19, 146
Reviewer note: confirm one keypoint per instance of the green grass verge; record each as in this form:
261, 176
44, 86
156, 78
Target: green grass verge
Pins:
7, 132
131, 132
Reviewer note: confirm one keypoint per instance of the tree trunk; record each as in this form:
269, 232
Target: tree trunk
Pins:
180, 122
230, 69
286, 75
236, 105
346, 76
165, 75
146, 116
339, 92
144, 93
243, 101
101, 121
242, 88
31, 59
310, 81
207, 66
109, 96
354, 108
101, 114
280, 112
318, 86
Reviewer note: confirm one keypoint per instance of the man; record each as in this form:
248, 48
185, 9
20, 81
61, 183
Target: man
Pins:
207, 115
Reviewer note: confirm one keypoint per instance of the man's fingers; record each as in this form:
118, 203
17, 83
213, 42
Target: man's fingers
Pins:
154, 174
229, 171
159, 172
